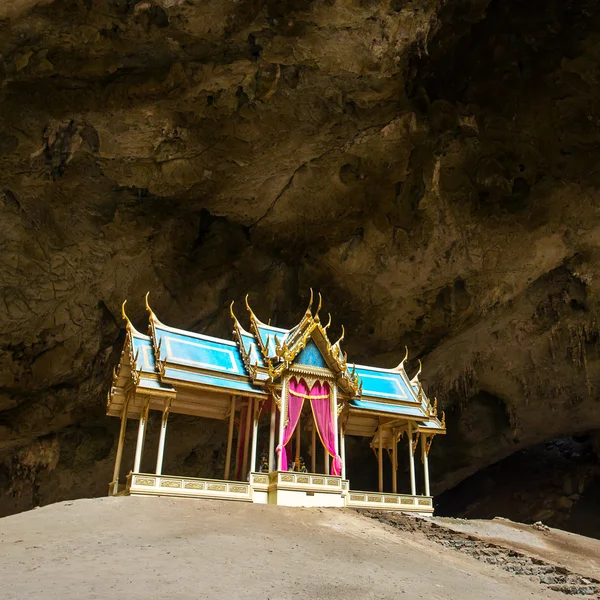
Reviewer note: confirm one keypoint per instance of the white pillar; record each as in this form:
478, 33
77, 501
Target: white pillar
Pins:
272, 434
411, 454
120, 445
249, 409
343, 451
229, 438
425, 455
256, 414
335, 420
141, 436
394, 462
282, 415
161, 441
380, 460
238, 446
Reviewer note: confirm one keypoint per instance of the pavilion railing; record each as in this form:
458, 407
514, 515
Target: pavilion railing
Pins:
167, 485
388, 501
313, 481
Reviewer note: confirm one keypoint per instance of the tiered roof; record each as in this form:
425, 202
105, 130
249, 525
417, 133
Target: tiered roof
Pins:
170, 363
279, 348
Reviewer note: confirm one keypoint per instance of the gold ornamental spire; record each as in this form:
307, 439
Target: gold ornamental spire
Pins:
125, 317
308, 311
401, 365
152, 315
235, 319
253, 317
316, 317
415, 379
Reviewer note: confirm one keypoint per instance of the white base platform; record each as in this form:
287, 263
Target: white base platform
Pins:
282, 488
306, 489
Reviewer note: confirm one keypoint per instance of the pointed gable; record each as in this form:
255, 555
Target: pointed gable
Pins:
311, 356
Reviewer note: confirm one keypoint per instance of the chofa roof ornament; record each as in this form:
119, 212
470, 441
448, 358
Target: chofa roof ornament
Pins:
308, 308
400, 367
316, 316
124, 315
415, 379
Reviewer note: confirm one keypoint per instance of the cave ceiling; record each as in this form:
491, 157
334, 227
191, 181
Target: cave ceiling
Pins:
430, 166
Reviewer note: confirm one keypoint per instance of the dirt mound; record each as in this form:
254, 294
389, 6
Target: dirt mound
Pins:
159, 547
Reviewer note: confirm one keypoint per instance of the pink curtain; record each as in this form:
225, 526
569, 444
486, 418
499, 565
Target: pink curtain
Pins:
297, 391
320, 402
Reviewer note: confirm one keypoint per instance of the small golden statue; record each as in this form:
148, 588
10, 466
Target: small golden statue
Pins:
264, 463
302, 467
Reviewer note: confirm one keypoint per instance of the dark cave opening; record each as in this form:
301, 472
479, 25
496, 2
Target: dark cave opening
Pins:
557, 482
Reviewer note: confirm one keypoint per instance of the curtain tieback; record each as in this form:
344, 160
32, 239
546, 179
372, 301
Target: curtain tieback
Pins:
308, 396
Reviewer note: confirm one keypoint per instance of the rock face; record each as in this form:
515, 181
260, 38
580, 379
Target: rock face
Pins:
556, 483
429, 165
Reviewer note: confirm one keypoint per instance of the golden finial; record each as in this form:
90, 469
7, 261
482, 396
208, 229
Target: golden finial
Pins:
232, 313
252, 315
401, 365
152, 315
341, 337
318, 307
309, 303
328, 323
434, 410
415, 379
405, 356
125, 317
444, 419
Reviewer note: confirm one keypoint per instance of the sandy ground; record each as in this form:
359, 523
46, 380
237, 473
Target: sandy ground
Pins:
160, 547
577, 553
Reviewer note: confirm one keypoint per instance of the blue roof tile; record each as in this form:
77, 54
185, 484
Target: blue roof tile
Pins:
199, 351
142, 346
412, 411
379, 383
210, 380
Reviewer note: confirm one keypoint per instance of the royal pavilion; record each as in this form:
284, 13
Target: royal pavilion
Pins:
282, 394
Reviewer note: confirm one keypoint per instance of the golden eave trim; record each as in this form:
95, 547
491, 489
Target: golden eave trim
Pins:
429, 431
197, 371
220, 390
295, 369
141, 391
402, 403
354, 410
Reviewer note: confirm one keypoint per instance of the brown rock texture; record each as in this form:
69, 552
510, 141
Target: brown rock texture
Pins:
429, 165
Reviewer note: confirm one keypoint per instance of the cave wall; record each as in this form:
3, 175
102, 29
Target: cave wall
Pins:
429, 165
556, 483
